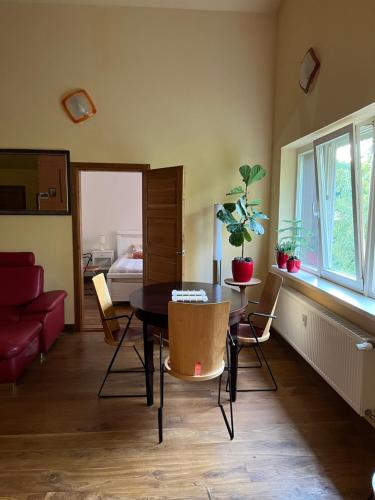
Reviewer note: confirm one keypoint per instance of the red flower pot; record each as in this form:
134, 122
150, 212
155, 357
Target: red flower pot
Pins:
242, 271
293, 265
282, 259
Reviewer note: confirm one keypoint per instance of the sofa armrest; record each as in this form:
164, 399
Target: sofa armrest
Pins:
46, 301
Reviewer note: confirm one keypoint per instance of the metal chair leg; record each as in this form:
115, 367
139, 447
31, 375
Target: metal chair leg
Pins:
245, 367
109, 369
255, 346
230, 427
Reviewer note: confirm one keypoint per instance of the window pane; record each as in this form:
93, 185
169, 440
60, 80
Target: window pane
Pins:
366, 149
307, 210
335, 185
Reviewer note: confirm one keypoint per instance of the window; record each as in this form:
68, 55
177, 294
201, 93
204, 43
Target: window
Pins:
306, 210
335, 201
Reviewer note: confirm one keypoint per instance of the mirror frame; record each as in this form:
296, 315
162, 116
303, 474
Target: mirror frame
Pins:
54, 152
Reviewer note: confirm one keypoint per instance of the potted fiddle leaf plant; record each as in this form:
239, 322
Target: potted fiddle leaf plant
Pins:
242, 218
287, 246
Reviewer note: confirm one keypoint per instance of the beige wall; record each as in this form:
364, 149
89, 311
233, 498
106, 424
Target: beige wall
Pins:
341, 33
171, 87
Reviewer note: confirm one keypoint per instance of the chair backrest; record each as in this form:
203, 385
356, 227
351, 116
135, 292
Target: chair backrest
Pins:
197, 336
267, 303
106, 309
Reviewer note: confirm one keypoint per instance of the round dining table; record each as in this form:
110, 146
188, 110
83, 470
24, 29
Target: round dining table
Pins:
150, 305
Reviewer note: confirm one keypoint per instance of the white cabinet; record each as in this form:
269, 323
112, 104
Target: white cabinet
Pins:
103, 258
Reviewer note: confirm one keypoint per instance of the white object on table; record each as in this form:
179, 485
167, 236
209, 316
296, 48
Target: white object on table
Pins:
189, 296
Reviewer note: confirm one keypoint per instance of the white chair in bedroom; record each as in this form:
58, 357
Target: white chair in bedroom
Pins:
113, 335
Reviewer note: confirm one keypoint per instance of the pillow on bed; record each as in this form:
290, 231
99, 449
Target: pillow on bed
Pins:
133, 251
138, 254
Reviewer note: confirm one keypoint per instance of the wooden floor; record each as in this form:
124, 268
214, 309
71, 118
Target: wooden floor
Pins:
58, 441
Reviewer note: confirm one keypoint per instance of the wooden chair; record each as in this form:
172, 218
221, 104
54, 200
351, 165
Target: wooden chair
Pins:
257, 329
113, 335
197, 342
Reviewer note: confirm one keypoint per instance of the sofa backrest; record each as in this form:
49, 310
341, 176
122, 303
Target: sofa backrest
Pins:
20, 280
16, 259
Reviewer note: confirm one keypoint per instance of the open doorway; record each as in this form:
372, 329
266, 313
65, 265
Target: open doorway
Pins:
161, 230
107, 212
111, 236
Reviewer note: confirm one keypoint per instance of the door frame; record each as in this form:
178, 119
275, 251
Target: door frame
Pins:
76, 169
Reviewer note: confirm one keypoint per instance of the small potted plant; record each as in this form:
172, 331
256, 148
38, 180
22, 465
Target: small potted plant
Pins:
241, 218
287, 246
281, 254
293, 264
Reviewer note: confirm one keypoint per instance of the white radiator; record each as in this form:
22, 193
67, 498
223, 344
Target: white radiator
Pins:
329, 344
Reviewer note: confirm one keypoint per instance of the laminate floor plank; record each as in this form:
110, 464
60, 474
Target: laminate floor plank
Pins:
58, 441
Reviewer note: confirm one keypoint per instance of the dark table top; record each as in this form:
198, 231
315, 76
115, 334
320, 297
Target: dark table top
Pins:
151, 302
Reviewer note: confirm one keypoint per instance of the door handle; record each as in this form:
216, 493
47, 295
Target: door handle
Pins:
180, 252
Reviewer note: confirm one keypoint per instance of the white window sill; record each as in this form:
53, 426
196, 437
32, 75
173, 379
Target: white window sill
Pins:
353, 300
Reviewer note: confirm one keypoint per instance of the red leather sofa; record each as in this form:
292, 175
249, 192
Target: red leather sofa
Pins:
30, 319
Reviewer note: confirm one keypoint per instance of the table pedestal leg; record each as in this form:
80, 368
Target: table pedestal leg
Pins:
148, 343
233, 361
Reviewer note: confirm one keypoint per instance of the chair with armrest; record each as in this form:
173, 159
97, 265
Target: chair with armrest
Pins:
30, 319
113, 335
198, 338
257, 328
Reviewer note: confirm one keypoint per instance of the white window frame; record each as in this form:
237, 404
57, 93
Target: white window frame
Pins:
368, 252
300, 153
357, 283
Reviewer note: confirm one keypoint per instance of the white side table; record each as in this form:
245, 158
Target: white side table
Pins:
103, 258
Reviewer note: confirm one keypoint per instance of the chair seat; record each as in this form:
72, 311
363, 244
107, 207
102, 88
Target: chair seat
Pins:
193, 378
132, 335
245, 335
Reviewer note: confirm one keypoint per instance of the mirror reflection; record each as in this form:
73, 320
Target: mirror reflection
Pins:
34, 182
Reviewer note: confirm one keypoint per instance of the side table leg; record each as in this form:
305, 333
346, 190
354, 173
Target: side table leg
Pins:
148, 343
233, 362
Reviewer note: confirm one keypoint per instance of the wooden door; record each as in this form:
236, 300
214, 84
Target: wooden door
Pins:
162, 224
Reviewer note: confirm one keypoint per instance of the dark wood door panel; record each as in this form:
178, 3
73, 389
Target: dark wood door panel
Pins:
162, 225
162, 193
162, 232
162, 269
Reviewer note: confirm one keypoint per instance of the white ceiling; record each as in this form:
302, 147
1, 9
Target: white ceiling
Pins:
260, 6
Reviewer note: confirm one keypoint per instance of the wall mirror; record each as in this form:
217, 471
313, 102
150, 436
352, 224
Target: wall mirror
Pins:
34, 181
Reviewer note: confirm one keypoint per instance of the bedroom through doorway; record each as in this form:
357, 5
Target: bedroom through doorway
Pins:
107, 234
111, 237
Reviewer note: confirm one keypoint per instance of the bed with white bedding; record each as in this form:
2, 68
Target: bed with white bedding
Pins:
126, 273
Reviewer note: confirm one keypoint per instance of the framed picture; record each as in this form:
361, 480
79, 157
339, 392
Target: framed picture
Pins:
308, 69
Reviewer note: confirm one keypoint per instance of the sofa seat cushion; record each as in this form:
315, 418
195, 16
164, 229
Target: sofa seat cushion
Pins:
15, 337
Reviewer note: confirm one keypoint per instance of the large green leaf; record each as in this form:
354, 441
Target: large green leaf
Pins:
236, 239
257, 173
236, 190
241, 207
245, 171
231, 207
254, 203
259, 215
235, 228
246, 234
255, 226
225, 216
